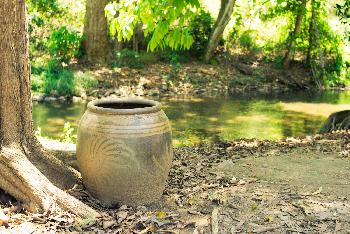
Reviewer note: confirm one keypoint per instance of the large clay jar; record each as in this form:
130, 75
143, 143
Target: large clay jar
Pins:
124, 151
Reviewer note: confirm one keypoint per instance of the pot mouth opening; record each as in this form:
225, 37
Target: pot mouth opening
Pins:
126, 106
123, 105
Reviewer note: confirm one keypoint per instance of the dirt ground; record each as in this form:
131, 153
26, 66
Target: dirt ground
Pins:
247, 186
195, 78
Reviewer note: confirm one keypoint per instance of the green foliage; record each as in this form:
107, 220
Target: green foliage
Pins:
246, 40
40, 12
37, 132
46, 16
50, 6
175, 66
61, 82
253, 206
127, 58
148, 58
214, 62
272, 9
337, 73
343, 11
55, 80
200, 28
64, 44
37, 82
68, 133
85, 81
279, 62
235, 30
164, 20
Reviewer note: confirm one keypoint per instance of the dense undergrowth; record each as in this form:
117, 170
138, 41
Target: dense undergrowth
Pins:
59, 81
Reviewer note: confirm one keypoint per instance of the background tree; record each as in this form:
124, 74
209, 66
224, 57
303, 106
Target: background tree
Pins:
223, 19
97, 45
318, 72
27, 172
294, 34
311, 35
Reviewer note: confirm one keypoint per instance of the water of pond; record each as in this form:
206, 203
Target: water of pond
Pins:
196, 120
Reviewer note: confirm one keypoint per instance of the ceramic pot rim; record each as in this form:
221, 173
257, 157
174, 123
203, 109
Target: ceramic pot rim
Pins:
152, 106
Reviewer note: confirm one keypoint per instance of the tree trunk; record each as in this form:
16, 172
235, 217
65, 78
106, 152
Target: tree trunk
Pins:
97, 45
318, 71
137, 37
317, 35
223, 19
311, 37
26, 171
294, 34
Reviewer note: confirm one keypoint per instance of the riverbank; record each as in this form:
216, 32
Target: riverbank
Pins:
185, 79
292, 185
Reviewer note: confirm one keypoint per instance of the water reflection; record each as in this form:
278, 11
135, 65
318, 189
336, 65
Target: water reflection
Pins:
196, 120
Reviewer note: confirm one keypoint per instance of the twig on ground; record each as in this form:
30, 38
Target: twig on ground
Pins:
215, 221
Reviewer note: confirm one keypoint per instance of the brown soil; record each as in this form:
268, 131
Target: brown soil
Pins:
248, 186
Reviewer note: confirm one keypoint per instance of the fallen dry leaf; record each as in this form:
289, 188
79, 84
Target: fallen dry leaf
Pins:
3, 219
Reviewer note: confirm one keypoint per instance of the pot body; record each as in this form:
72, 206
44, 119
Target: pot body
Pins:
124, 158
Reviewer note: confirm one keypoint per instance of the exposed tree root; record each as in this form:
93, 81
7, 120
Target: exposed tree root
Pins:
337, 121
60, 174
24, 180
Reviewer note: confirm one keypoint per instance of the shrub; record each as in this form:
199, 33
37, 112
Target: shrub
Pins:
170, 56
148, 58
68, 133
53, 79
337, 73
246, 40
37, 82
127, 58
233, 35
53, 66
61, 82
85, 81
279, 62
175, 66
200, 28
64, 44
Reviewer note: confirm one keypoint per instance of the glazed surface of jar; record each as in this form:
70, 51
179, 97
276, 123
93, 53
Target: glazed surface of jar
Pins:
124, 151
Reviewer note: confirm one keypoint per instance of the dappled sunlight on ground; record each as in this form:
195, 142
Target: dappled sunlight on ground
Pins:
252, 119
316, 109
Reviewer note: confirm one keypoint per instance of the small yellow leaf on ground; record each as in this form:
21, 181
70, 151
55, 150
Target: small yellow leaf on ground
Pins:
161, 214
254, 206
269, 219
190, 201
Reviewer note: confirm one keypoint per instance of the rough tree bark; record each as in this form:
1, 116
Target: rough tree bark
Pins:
311, 37
317, 35
27, 172
317, 69
223, 19
97, 45
294, 34
137, 37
